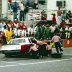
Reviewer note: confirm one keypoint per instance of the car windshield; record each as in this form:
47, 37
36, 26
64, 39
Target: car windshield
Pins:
16, 41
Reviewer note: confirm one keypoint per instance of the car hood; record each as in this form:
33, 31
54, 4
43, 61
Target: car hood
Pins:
11, 47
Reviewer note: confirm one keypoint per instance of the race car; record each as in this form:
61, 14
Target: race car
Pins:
16, 46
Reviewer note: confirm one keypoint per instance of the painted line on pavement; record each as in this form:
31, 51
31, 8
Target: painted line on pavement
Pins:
35, 63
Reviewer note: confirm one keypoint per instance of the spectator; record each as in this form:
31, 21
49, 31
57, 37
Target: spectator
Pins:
63, 23
9, 24
54, 19
67, 32
38, 31
24, 30
10, 1
4, 38
15, 23
44, 17
26, 10
67, 28
19, 32
67, 21
43, 31
9, 4
52, 28
35, 4
62, 32
15, 31
30, 30
15, 9
70, 29
3, 23
28, 3
59, 13
27, 6
1, 26
35, 30
69, 14
47, 32
21, 6
57, 30
43, 12
63, 15
21, 25
8, 34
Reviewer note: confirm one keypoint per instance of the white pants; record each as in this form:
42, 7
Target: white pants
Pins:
23, 33
67, 35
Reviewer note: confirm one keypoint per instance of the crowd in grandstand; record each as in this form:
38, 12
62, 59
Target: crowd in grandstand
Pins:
42, 31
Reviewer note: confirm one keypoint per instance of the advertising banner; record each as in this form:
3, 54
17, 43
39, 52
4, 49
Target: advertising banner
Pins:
68, 43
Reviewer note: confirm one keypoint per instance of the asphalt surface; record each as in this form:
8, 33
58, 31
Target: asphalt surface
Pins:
46, 64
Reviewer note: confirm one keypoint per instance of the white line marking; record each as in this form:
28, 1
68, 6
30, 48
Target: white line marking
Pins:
8, 66
43, 62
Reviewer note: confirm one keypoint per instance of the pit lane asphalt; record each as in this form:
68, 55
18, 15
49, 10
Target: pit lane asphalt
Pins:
46, 64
